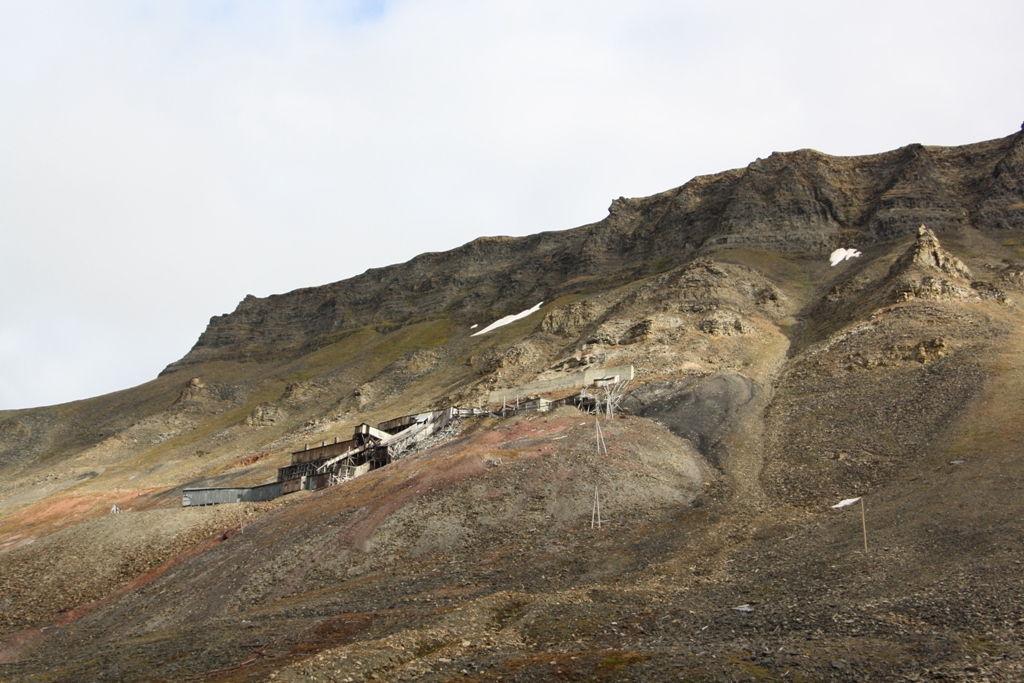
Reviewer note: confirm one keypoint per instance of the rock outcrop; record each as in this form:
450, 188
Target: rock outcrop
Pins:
927, 271
928, 253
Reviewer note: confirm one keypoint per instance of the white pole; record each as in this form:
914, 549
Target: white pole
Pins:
863, 520
864, 525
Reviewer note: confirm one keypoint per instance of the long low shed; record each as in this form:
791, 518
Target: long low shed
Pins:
324, 450
216, 496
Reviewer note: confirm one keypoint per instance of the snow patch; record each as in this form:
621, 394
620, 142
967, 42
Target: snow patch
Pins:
474, 326
840, 255
501, 322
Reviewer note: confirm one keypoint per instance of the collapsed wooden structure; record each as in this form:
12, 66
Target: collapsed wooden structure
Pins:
370, 448
316, 467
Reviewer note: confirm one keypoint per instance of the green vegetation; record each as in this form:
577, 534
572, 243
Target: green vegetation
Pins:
790, 271
413, 337
620, 660
1016, 243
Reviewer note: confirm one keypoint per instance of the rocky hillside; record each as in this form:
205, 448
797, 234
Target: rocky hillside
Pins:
769, 385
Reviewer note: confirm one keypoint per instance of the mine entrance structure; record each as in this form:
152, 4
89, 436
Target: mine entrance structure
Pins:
254, 494
374, 447
320, 466
370, 447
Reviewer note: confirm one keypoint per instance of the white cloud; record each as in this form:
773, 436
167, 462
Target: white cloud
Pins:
159, 160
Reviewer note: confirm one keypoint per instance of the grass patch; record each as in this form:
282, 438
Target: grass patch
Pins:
424, 335
564, 300
342, 349
510, 611
472, 425
789, 271
1016, 244
587, 284
978, 643
754, 671
429, 647
371, 347
617, 661
659, 265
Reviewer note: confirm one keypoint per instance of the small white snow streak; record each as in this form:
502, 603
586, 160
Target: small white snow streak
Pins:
501, 322
840, 255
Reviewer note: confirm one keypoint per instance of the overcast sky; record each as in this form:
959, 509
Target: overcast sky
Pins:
161, 160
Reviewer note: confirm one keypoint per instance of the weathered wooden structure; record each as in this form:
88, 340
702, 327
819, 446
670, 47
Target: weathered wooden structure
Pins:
253, 494
316, 467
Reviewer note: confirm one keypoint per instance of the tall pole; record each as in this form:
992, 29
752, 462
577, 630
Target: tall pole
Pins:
864, 524
601, 445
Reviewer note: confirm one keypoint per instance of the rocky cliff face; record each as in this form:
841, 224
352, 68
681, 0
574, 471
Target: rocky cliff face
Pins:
802, 201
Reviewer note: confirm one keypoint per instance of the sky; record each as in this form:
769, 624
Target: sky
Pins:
161, 160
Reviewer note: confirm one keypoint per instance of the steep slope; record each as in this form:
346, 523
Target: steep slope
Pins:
769, 385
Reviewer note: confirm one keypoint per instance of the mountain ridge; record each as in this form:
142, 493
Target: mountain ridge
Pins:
796, 201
